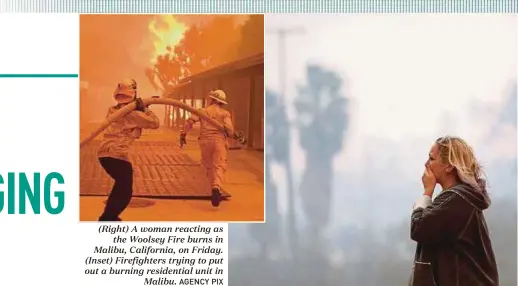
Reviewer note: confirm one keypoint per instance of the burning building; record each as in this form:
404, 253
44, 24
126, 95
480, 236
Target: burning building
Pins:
242, 81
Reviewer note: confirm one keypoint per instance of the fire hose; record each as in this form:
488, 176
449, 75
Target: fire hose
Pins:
162, 101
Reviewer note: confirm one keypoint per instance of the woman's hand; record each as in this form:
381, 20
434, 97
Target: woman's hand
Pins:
429, 182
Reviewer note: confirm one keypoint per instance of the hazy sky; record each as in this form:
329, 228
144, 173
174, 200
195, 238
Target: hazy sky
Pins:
411, 78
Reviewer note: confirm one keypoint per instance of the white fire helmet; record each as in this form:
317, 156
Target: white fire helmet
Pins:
126, 91
219, 95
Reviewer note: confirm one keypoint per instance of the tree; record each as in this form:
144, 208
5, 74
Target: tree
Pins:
322, 121
203, 46
169, 68
279, 139
193, 45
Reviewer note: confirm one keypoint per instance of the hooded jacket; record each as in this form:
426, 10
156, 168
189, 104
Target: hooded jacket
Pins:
453, 244
120, 135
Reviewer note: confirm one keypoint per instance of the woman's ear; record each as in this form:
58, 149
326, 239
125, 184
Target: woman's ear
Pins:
449, 168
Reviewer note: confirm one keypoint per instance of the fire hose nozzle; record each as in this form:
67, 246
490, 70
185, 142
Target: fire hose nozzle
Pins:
240, 137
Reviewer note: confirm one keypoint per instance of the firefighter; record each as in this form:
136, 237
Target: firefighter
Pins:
213, 142
116, 144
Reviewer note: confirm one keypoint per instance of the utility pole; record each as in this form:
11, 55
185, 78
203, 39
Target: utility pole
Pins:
282, 34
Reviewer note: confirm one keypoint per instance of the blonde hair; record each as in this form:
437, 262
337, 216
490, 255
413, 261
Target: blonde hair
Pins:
460, 155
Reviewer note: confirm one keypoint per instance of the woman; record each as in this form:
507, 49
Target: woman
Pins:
116, 144
453, 244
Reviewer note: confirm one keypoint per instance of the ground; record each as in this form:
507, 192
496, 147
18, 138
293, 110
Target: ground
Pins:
244, 181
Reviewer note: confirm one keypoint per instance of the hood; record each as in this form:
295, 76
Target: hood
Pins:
478, 198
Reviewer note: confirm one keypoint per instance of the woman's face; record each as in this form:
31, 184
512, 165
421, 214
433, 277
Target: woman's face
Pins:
439, 168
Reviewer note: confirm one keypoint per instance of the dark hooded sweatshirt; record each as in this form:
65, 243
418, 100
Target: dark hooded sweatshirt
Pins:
453, 244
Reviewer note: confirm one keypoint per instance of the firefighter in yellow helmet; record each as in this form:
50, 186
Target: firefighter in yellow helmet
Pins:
116, 144
213, 142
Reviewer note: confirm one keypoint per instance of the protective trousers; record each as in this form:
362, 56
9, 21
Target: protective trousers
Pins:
214, 159
122, 173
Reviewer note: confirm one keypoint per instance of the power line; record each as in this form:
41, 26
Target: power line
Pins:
282, 34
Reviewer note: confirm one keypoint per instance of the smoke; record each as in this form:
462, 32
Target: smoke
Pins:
115, 47
112, 48
413, 78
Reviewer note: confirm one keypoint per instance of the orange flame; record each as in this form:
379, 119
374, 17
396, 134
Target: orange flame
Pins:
168, 32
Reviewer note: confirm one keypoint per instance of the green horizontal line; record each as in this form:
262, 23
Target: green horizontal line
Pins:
38, 75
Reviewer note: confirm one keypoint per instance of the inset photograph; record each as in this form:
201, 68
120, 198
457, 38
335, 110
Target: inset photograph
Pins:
172, 118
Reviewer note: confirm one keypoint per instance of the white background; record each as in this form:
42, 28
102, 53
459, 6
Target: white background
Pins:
39, 119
